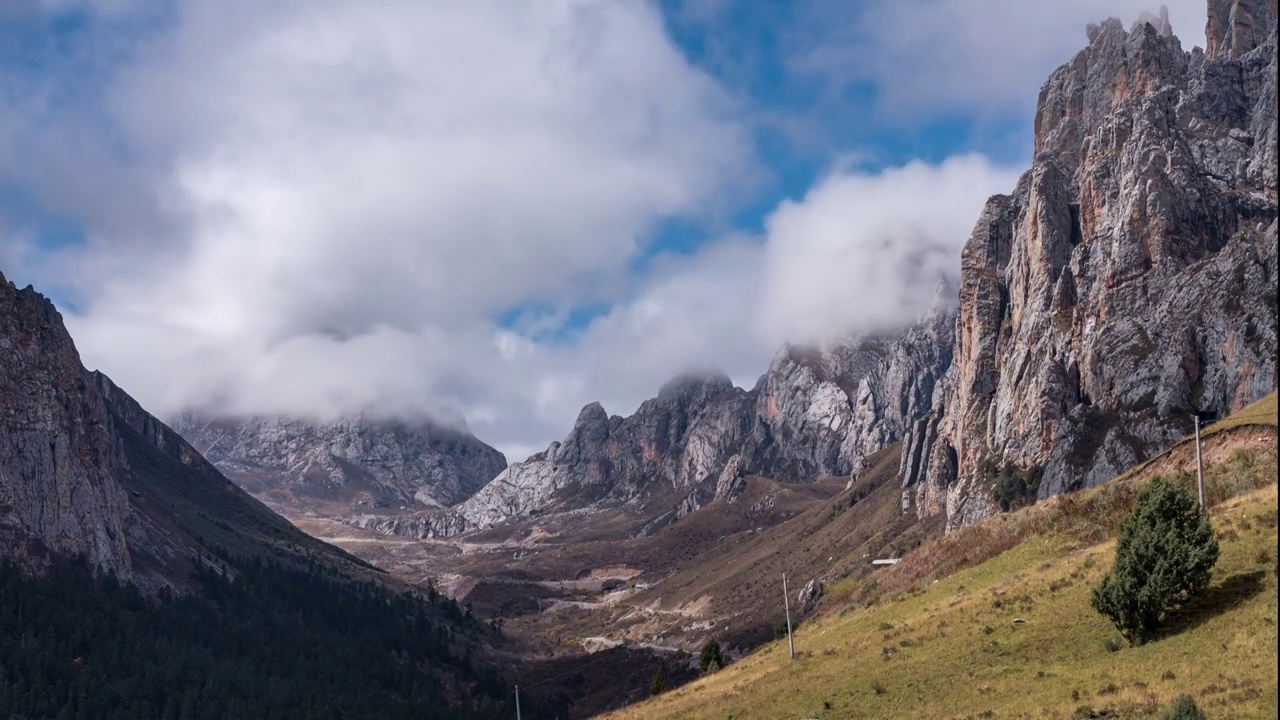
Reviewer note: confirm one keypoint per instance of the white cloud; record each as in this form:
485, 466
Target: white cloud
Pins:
350, 163
962, 56
329, 202
514, 393
865, 251
319, 208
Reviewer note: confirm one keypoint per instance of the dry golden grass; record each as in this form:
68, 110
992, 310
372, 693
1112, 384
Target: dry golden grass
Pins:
1262, 412
955, 650
935, 635
1085, 517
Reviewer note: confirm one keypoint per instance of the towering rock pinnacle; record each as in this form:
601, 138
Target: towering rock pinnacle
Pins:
1236, 27
1128, 280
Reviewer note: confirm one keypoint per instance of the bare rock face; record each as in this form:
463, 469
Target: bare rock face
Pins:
1129, 279
816, 413
679, 439
353, 465
420, 525
808, 598
820, 413
732, 483
58, 459
1236, 27
85, 470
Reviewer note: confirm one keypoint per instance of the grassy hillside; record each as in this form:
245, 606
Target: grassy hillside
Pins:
995, 621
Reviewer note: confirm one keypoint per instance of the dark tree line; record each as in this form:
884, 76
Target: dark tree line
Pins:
277, 642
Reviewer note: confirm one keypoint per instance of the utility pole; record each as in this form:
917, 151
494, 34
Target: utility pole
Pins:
786, 606
517, 702
1199, 464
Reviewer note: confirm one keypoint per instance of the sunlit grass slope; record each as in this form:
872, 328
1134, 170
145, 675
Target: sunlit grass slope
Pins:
1006, 628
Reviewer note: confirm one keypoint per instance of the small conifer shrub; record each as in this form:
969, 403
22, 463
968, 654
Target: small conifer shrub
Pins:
1164, 556
711, 659
1184, 708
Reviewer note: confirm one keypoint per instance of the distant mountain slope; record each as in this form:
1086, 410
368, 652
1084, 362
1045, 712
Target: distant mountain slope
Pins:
1129, 280
356, 464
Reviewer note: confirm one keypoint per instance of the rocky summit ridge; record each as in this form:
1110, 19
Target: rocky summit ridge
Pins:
815, 413
357, 464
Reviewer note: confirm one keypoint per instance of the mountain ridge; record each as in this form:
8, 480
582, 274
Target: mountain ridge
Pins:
350, 464
1128, 281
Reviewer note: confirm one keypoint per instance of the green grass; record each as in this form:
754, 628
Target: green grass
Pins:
1262, 412
936, 636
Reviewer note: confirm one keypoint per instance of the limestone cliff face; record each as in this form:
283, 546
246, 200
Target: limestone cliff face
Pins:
1128, 281
352, 465
820, 413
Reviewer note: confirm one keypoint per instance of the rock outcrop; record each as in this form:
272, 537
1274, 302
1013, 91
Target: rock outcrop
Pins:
59, 462
808, 597
86, 471
821, 413
1128, 281
677, 440
354, 465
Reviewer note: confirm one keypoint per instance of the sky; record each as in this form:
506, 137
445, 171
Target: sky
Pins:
493, 212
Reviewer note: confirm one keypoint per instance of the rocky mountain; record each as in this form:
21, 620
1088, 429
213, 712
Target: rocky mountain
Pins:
674, 441
1126, 284
85, 471
1128, 281
815, 413
352, 465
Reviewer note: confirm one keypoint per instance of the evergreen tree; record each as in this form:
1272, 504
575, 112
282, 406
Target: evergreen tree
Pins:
659, 681
277, 642
1184, 708
1164, 556
711, 659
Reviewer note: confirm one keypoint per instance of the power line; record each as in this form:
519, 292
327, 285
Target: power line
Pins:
503, 706
566, 672
1267, 416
